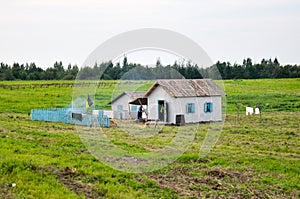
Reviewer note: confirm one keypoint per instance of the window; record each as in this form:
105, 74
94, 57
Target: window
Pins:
120, 108
208, 107
190, 108
133, 108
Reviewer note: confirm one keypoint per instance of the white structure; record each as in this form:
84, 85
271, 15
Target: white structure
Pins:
179, 101
249, 110
257, 111
108, 113
122, 109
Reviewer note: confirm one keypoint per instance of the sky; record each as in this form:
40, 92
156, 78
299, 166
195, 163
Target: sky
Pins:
45, 31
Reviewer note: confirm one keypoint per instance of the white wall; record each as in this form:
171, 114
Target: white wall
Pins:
124, 102
126, 113
199, 115
158, 94
107, 113
177, 106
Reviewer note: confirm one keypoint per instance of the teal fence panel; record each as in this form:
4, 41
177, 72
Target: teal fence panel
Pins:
65, 115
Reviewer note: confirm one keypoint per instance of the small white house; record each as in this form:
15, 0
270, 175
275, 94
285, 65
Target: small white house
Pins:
121, 107
180, 101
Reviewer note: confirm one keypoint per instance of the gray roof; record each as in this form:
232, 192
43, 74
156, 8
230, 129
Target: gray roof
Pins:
188, 87
132, 95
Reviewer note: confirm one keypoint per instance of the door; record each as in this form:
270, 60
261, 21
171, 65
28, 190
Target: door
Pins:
120, 110
162, 111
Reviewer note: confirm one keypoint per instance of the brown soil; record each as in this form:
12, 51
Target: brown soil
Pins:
5, 193
78, 152
213, 181
71, 179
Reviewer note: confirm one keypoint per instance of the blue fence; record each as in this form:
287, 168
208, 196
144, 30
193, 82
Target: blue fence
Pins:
70, 116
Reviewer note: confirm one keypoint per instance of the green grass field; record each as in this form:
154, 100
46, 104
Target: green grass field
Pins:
251, 159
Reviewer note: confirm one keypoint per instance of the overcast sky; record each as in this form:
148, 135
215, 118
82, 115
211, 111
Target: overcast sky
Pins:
45, 31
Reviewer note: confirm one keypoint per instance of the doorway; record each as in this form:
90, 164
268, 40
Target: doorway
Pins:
120, 110
162, 110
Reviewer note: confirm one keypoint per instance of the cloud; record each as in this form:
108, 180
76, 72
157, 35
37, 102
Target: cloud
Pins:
78, 26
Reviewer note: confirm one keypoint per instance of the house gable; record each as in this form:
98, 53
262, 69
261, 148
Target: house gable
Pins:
120, 105
190, 98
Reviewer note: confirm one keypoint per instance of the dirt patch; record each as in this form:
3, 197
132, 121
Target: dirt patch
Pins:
113, 123
67, 178
220, 173
70, 178
211, 182
5, 192
78, 152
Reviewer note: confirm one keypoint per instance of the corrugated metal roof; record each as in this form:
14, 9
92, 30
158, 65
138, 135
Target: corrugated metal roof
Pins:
188, 87
132, 95
139, 101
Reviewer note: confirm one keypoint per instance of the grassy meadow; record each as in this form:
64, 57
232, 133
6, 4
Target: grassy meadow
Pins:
251, 159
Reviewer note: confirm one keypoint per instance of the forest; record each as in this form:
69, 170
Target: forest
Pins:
267, 68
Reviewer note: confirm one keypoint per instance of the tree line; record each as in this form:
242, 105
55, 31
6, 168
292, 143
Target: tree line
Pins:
267, 68
30, 71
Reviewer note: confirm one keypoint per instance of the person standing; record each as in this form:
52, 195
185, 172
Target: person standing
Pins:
140, 112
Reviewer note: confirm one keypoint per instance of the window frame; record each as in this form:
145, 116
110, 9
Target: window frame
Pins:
133, 108
206, 105
119, 107
190, 108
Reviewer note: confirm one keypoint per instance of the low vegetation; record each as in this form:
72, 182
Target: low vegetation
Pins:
251, 159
